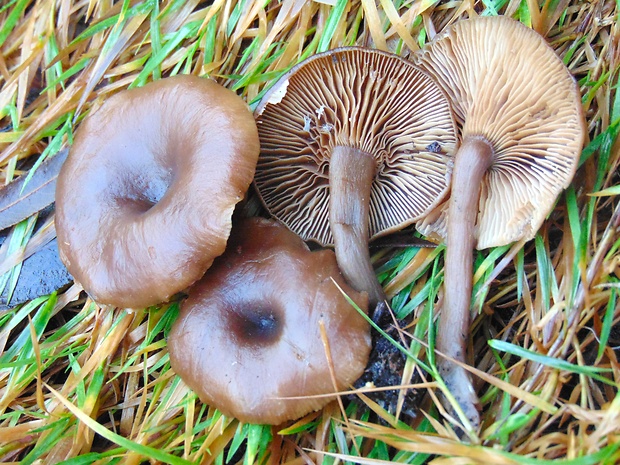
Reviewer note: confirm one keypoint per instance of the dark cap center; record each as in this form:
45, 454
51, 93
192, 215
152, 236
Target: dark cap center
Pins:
255, 325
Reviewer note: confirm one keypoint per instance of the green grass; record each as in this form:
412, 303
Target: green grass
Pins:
82, 383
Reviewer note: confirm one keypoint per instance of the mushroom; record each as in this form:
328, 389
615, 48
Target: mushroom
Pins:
145, 198
355, 143
522, 129
249, 336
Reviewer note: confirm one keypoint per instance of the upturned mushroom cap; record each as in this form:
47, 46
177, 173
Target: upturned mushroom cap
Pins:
509, 87
145, 198
249, 335
355, 143
522, 133
366, 99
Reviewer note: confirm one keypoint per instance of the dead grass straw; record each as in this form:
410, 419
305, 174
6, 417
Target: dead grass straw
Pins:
83, 384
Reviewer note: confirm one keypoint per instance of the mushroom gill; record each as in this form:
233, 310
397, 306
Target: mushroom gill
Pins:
355, 143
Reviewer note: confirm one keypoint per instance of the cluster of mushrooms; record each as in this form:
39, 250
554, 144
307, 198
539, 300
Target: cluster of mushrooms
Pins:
349, 145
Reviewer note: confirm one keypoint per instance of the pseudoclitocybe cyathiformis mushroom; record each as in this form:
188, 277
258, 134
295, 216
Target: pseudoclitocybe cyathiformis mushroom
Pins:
145, 198
522, 129
355, 143
249, 335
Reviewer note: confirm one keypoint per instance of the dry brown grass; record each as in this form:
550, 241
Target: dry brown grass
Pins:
549, 383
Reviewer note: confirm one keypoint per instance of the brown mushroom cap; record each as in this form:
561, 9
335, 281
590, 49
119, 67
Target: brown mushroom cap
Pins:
508, 86
353, 139
249, 335
145, 198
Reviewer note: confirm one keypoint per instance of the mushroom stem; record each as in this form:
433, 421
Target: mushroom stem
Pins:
471, 162
351, 172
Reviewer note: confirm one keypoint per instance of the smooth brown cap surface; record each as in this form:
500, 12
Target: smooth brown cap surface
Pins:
249, 335
373, 101
508, 86
144, 201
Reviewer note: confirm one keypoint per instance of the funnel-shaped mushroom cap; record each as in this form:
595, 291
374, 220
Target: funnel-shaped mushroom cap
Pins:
145, 198
368, 100
249, 335
508, 86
